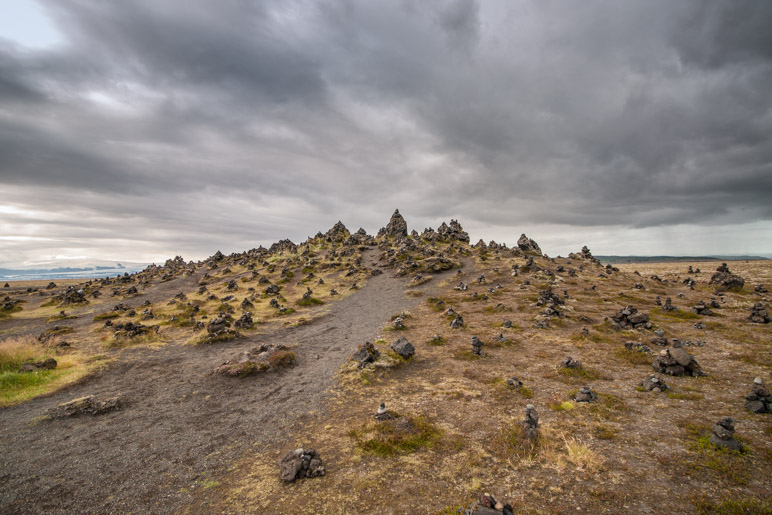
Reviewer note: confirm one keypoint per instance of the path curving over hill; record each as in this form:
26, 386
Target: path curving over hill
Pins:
180, 422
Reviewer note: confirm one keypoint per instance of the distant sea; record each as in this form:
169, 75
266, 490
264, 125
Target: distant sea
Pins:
67, 273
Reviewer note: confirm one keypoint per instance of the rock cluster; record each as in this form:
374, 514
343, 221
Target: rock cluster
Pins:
337, 233
675, 361
454, 231
723, 435
654, 384
397, 226
89, 405
669, 305
570, 362
245, 321
526, 244
132, 330
702, 309
759, 400
759, 314
73, 296
403, 347
585, 394
630, 318
551, 300
723, 279
488, 505
640, 347
365, 354
300, 463
264, 358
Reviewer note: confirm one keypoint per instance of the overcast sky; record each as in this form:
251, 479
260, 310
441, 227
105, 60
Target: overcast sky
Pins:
137, 130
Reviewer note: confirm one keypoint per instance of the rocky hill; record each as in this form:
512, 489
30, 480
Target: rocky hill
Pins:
404, 372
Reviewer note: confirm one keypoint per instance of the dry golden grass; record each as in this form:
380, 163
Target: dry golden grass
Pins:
625, 444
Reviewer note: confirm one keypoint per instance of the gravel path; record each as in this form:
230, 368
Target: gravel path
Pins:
180, 422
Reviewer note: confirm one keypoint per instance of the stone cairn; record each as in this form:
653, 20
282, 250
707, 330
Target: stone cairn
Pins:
585, 394
457, 322
669, 305
723, 279
654, 384
675, 361
531, 423
723, 435
759, 314
300, 463
630, 318
383, 414
702, 309
570, 362
477, 346
759, 400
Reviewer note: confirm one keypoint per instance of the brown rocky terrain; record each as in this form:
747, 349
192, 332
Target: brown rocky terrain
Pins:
464, 338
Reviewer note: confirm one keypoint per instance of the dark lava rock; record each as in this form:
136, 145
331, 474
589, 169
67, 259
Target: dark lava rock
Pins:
759, 314
759, 400
403, 347
723, 279
397, 226
366, 353
528, 245
585, 394
654, 384
300, 463
723, 435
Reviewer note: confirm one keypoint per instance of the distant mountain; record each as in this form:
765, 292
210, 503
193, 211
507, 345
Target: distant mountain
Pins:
670, 259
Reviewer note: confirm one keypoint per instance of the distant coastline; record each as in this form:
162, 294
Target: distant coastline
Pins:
671, 259
92, 272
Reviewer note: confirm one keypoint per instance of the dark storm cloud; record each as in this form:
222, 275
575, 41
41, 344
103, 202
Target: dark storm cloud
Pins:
254, 121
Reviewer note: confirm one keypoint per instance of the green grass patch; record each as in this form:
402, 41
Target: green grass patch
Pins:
309, 301
437, 341
106, 315
4, 313
17, 387
561, 406
578, 373
395, 437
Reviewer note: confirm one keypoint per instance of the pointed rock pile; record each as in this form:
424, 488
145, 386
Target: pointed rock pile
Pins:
300, 463
526, 244
675, 361
630, 318
759, 314
759, 400
397, 227
723, 279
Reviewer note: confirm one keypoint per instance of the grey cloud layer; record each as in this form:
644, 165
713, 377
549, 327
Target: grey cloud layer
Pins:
290, 114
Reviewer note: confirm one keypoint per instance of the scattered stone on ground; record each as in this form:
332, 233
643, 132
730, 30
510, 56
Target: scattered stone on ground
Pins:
300, 463
585, 394
245, 321
264, 358
723, 435
488, 505
570, 362
702, 309
89, 405
630, 318
654, 384
639, 347
759, 314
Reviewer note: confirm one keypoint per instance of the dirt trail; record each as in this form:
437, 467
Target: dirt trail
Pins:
180, 422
